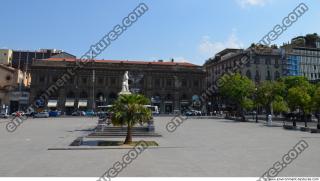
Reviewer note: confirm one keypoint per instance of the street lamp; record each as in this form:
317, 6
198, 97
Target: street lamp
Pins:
256, 89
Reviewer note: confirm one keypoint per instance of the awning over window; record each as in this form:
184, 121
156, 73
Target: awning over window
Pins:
52, 103
184, 102
69, 103
83, 103
168, 102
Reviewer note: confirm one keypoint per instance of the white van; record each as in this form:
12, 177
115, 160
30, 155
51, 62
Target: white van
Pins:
154, 109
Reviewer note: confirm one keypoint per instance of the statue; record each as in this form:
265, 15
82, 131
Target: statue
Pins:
125, 84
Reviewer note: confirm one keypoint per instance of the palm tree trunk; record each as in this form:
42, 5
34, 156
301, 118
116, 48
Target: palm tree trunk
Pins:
129, 136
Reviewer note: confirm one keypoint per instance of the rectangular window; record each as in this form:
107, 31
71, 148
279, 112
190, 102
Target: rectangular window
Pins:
71, 80
184, 83
257, 61
41, 79
84, 80
113, 81
195, 83
169, 83
157, 83
54, 79
106, 81
100, 81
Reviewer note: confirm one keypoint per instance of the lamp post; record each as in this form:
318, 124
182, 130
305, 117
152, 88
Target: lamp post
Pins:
256, 96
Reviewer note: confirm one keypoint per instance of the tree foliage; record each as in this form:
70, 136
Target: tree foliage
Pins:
299, 93
298, 98
130, 110
237, 88
267, 92
279, 105
316, 100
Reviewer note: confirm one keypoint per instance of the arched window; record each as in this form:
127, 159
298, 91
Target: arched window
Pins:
71, 94
100, 99
276, 63
257, 60
276, 75
156, 98
248, 64
83, 95
269, 75
248, 74
112, 97
100, 96
168, 97
184, 97
257, 77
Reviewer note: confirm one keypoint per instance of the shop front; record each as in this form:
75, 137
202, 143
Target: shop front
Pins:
52, 105
70, 106
83, 105
168, 107
156, 101
184, 106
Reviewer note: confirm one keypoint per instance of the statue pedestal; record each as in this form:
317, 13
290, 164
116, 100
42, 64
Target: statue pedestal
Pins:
124, 93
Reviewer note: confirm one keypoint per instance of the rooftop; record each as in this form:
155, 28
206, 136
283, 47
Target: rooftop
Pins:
138, 62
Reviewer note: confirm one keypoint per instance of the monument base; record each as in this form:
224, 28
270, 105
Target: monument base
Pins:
124, 93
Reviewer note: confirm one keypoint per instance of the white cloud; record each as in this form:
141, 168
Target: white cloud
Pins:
246, 3
208, 48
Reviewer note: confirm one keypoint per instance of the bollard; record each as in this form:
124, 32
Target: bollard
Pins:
269, 120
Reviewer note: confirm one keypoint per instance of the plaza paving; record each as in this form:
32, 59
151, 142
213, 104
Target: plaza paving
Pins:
204, 147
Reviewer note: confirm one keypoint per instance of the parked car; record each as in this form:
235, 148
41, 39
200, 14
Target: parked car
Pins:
90, 113
54, 113
193, 113
4, 115
41, 115
30, 114
102, 114
18, 113
177, 112
189, 113
78, 113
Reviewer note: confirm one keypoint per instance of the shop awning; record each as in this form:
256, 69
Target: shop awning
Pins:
83, 103
69, 103
52, 103
184, 102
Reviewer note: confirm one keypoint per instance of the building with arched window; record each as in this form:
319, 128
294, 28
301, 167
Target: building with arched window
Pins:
259, 64
169, 85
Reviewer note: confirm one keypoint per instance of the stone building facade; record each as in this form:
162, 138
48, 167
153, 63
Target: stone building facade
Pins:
169, 85
14, 93
263, 64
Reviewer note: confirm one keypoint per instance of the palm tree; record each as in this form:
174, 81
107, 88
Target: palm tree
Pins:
130, 110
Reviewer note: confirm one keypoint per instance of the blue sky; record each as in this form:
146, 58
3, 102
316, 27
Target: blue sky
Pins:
191, 30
